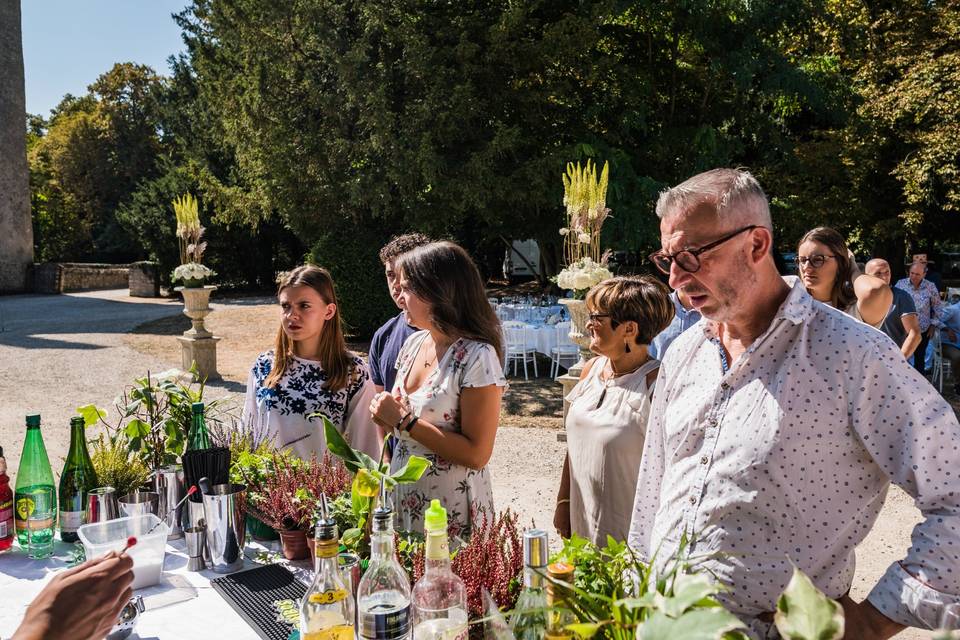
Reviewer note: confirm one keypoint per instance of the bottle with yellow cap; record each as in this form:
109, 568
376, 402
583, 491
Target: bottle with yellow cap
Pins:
559, 575
327, 611
439, 597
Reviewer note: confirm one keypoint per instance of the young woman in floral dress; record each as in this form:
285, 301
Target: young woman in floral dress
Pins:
445, 403
310, 371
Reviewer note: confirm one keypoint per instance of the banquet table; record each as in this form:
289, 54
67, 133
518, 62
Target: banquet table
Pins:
183, 606
527, 312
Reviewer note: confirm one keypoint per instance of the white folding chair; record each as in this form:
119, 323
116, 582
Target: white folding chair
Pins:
519, 348
564, 350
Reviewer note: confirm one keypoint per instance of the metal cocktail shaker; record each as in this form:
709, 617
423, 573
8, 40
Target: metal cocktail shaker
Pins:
101, 505
226, 526
169, 483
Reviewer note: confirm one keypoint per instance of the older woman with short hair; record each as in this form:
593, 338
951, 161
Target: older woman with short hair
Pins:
607, 418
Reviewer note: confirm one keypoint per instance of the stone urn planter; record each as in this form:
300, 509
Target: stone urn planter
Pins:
198, 347
578, 332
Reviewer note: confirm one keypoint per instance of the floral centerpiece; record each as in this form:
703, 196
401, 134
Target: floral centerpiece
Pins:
585, 199
191, 271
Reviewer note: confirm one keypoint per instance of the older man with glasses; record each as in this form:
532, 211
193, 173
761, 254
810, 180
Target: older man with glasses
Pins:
778, 424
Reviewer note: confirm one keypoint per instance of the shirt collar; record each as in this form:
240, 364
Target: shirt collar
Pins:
797, 308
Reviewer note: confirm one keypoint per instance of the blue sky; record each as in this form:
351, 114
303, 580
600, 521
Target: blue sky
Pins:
68, 43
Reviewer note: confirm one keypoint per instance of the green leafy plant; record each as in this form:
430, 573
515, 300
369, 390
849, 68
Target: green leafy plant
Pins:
366, 480
115, 466
804, 613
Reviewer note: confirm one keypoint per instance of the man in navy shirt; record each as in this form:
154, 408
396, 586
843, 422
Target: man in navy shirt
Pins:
386, 343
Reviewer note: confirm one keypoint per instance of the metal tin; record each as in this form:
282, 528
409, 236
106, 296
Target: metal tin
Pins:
101, 505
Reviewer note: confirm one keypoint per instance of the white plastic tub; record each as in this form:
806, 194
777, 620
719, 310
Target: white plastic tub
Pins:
148, 554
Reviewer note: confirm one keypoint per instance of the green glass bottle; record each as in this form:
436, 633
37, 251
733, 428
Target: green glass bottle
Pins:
198, 438
77, 479
35, 498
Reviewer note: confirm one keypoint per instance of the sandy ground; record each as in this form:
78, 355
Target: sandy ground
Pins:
60, 352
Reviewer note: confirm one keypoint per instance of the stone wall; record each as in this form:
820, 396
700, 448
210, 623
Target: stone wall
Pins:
59, 277
145, 280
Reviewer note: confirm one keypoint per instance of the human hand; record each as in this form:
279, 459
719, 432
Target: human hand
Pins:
862, 621
386, 411
80, 603
561, 518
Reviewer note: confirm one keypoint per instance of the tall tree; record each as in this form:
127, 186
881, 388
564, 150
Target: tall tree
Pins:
16, 235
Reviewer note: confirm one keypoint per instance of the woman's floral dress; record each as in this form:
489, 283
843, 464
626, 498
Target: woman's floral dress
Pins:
464, 492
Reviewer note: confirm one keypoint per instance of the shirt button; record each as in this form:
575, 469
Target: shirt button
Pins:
704, 460
693, 499
724, 386
712, 422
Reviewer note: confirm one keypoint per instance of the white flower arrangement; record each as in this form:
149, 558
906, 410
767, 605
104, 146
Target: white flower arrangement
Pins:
193, 271
580, 276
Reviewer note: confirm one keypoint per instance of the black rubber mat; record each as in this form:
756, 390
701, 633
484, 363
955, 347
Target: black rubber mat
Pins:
252, 594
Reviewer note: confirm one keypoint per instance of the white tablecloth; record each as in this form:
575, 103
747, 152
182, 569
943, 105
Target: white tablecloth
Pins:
526, 313
201, 613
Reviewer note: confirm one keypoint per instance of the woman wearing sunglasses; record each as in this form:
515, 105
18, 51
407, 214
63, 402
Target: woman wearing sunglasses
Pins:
607, 419
830, 274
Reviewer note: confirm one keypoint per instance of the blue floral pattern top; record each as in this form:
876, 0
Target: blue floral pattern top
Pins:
283, 411
464, 492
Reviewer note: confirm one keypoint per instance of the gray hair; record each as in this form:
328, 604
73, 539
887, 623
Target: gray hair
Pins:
734, 194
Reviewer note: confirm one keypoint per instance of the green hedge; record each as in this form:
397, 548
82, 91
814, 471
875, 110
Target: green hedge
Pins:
350, 253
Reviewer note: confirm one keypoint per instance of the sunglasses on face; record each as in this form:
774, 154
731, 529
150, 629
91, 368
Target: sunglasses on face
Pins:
689, 259
597, 317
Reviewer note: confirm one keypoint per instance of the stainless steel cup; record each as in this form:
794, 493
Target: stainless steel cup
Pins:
139, 503
196, 539
225, 526
101, 505
169, 483
194, 518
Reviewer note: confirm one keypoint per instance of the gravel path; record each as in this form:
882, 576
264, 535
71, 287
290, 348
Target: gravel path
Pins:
61, 352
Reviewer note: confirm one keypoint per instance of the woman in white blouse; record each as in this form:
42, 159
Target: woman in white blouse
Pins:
311, 371
607, 418
445, 403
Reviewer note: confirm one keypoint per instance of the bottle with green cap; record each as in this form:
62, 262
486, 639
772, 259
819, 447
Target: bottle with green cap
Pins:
199, 438
35, 498
439, 597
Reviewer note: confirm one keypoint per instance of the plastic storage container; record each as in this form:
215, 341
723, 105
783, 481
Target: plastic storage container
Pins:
102, 537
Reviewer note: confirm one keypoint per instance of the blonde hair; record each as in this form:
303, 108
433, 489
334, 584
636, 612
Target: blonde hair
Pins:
641, 299
334, 356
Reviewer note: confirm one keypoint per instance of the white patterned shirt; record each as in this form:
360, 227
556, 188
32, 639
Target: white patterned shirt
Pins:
787, 456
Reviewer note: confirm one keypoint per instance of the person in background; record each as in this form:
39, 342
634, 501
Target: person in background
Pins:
386, 342
830, 274
684, 317
310, 371
950, 335
445, 403
81, 603
901, 323
607, 418
932, 275
777, 426
926, 298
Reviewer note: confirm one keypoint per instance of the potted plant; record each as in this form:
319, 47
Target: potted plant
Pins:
585, 199
286, 498
191, 271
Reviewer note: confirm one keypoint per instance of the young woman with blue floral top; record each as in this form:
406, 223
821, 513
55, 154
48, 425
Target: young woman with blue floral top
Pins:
445, 403
311, 371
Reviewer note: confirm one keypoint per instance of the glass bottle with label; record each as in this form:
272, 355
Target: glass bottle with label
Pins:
35, 498
7, 528
198, 438
77, 479
327, 609
529, 622
383, 596
558, 594
439, 597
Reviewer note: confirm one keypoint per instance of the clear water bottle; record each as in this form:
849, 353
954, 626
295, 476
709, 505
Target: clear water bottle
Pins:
439, 597
383, 596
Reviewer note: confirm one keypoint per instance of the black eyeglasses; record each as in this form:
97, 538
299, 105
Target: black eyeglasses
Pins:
595, 317
816, 260
688, 259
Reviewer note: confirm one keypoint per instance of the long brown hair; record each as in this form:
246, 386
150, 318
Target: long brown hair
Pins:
841, 294
443, 275
334, 357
